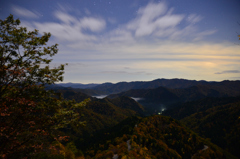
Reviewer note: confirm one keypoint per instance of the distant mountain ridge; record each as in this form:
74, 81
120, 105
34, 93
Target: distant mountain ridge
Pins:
77, 85
109, 88
163, 94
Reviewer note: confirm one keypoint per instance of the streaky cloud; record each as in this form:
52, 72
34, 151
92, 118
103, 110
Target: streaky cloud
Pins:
228, 71
24, 12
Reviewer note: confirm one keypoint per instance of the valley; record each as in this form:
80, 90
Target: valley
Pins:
207, 112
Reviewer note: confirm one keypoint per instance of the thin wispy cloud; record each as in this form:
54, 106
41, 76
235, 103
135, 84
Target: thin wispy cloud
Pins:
92, 24
22, 12
152, 18
65, 18
228, 71
71, 28
125, 72
193, 18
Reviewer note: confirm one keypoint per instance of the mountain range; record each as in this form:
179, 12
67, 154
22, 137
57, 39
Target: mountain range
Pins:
200, 120
110, 88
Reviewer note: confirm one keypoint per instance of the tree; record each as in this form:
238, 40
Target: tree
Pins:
30, 115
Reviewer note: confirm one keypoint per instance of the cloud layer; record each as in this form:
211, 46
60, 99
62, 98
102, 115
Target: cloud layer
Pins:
156, 43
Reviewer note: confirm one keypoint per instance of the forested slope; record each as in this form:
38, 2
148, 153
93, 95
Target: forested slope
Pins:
161, 137
215, 118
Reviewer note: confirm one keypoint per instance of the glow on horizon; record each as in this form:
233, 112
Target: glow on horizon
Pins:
137, 41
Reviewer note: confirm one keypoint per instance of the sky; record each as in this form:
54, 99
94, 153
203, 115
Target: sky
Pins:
137, 40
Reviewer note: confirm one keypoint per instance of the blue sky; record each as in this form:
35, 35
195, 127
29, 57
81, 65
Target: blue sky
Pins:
137, 40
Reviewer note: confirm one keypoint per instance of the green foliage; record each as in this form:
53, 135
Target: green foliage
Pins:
73, 94
160, 137
30, 115
183, 110
100, 116
213, 118
220, 123
127, 103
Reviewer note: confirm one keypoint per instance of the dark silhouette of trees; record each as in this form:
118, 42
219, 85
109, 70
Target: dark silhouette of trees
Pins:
30, 115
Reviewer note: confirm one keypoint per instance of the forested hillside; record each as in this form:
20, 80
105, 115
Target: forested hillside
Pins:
213, 118
221, 124
161, 137
211, 113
